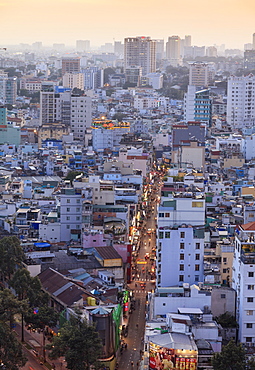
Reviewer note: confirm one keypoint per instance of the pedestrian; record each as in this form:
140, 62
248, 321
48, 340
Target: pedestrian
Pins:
125, 345
132, 363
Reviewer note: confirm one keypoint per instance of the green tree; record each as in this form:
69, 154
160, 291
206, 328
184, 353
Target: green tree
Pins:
226, 320
29, 288
79, 343
11, 256
10, 306
232, 357
11, 354
118, 116
72, 175
40, 318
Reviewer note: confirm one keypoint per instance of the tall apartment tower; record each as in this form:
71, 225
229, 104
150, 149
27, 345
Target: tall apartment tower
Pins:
241, 101
82, 45
3, 80
243, 282
70, 65
187, 40
140, 52
198, 74
72, 110
180, 240
173, 50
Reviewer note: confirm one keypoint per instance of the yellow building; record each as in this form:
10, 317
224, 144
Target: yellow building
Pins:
51, 131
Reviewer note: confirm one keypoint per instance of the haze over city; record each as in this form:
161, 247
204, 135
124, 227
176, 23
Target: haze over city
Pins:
223, 21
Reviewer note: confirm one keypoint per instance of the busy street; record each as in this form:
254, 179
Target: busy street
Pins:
143, 281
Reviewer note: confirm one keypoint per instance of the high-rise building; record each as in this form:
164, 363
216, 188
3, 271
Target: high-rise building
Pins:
160, 49
243, 282
93, 78
118, 48
198, 74
241, 101
180, 240
187, 40
11, 90
198, 105
74, 111
173, 50
249, 59
253, 40
82, 45
3, 79
70, 65
72, 80
140, 52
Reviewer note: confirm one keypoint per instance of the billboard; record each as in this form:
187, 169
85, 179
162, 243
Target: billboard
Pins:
161, 358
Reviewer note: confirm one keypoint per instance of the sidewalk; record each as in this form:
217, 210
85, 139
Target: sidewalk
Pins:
35, 340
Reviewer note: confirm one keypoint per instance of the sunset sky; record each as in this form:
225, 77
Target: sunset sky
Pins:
230, 22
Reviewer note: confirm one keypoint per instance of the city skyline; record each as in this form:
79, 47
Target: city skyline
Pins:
104, 21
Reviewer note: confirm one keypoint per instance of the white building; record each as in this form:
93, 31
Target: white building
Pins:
141, 52
72, 80
241, 101
243, 282
155, 80
179, 255
185, 209
81, 114
70, 212
248, 147
173, 51
198, 74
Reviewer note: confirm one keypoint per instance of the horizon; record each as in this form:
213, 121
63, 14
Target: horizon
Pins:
102, 21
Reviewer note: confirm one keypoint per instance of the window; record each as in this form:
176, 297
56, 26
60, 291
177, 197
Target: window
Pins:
78, 209
161, 235
197, 257
249, 325
223, 296
78, 201
77, 218
181, 268
248, 339
68, 201
181, 277
182, 256
250, 287
250, 273
197, 204
67, 218
196, 277
182, 245
249, 312
167, 214
197, 267
182, 235
225, 259
197, 245
250, 299
225, 271
68, 227
68, 209
167, 234
161, 214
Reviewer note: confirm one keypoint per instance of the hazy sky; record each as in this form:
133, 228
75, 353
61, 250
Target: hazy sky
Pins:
209, 22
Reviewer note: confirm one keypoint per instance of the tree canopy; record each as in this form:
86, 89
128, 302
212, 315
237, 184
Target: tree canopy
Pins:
232, 357
79, 343
11, 255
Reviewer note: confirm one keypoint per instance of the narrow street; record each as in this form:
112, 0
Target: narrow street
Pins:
143, 272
